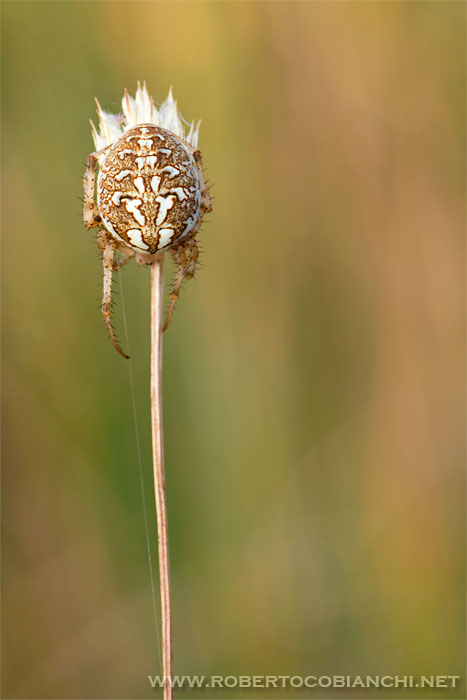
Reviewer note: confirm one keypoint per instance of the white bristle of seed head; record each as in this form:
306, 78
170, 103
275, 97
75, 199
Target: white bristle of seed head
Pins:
194, 138
141, 110
169, 116
110, 128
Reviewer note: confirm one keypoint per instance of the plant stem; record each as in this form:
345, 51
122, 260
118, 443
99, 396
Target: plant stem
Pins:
159, 478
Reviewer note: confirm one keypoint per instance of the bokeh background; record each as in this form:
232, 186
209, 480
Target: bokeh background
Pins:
314, 376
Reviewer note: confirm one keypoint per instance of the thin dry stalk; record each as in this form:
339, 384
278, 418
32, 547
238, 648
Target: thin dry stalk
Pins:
159, 478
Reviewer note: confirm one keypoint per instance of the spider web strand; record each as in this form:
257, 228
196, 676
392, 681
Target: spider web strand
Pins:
140, 469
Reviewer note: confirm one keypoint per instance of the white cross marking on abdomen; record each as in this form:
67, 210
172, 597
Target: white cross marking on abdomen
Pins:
134, 234
180, 192
122, 174
139, 184
165, 234
165, 203
172, 171
155, 182
132, 207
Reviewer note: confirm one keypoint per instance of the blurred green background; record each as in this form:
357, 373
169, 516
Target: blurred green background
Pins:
314, 375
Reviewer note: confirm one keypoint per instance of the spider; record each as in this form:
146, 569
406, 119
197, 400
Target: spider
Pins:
151, 193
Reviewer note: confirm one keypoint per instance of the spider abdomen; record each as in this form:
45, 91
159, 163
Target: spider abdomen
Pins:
149, 189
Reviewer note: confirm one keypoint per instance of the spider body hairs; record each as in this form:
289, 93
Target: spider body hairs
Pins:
151, 192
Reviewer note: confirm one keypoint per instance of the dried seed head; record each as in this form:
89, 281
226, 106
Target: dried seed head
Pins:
150, 190
141, 110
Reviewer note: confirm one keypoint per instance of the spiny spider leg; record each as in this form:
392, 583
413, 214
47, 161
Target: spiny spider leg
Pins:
108, 257
126, 257
90, 212
91, 215
103, 238
185, 256
205, 196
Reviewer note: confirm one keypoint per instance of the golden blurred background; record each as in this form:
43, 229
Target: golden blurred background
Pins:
314, 376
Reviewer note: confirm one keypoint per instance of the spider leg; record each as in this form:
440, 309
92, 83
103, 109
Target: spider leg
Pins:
102, 240
108, 257
91, 216
128, 254
206, 205
185, 256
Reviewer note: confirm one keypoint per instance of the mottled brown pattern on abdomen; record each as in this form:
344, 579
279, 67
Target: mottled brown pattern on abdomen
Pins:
148, 189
